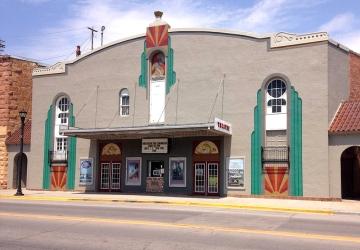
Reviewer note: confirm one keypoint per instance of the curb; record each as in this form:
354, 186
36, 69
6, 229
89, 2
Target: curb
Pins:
178, 203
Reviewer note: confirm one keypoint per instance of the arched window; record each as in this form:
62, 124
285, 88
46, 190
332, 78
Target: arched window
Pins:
276, 97
61, 121
124, 102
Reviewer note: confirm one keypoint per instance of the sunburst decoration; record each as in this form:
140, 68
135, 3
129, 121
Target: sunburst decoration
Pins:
157, 36
58, 177
276, 180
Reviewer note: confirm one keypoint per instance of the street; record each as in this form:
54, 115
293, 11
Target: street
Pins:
96, 225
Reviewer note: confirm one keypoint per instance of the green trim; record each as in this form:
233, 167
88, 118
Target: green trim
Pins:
170, 74
47, 146
72, 153
144, 69
256, 142
296, 180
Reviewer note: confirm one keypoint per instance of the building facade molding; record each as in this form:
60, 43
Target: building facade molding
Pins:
283, 39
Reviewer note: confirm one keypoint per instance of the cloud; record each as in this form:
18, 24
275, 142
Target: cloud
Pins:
344, 29
339, 23
133, 16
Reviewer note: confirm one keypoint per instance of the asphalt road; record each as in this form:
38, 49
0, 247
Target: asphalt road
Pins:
90, 225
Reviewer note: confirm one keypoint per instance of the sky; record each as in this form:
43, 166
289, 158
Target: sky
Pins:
49, 30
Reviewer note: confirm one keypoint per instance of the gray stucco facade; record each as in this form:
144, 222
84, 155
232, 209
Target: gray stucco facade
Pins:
204, 61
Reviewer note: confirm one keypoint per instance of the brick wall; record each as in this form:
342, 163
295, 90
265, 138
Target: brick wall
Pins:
15, 94
354, 77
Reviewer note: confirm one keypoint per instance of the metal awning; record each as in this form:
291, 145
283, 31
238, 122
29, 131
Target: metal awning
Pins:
152, 131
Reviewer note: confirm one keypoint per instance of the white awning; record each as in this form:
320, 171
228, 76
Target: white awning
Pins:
152, 131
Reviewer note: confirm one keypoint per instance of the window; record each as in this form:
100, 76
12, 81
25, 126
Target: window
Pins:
276, 97
124, 102
61, 121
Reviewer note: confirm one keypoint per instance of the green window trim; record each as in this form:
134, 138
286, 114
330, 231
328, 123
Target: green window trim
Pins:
144, 69
47, 146
296, 177
170, 73
256, 142
72, 153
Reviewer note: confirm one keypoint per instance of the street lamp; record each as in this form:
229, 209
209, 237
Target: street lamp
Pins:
22, 115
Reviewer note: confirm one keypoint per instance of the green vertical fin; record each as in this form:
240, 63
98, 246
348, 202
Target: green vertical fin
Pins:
296, 180
170, 74
72, 153
256, 142
144, 69
47, 146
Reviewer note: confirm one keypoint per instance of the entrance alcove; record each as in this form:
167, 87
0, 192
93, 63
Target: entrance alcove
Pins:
350, 173
23, 172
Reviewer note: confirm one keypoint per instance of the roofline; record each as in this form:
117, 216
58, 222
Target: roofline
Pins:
277, 40
22, 59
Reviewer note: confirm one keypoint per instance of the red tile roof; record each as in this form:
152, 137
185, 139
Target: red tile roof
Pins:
347, 119
14, 138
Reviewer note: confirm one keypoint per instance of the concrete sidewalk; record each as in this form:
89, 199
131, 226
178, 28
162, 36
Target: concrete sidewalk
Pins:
264, 204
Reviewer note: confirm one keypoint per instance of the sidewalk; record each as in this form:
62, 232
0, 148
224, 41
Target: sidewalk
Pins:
264, 204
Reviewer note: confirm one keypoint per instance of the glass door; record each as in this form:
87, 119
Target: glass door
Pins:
110, 174
213, 178
200, 177
206, 179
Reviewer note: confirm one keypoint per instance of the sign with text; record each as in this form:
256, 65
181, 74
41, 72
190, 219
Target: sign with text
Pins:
155, 146
222, 126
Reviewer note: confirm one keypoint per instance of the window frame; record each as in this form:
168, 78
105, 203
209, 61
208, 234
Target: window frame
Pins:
124, 93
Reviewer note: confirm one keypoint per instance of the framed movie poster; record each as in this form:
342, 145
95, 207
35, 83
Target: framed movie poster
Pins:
177, 172
236, 172
133, 171
86, 171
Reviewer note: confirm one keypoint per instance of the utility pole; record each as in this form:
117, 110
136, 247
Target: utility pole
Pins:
2, 45
92, 37
102, 34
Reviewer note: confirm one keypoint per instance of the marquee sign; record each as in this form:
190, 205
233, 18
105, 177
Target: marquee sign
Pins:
222, 126
154, 146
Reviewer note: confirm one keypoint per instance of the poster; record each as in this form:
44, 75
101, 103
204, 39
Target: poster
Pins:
236, 172
177, 172
86, 171
133, 171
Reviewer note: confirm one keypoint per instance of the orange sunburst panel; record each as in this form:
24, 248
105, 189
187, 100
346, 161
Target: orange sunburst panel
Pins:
157, 36
58, 177
276, 181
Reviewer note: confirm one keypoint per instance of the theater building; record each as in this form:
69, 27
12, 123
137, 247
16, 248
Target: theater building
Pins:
200, 112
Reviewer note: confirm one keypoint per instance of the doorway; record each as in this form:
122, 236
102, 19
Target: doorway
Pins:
350, 173
110, 173
206, 179
23, 170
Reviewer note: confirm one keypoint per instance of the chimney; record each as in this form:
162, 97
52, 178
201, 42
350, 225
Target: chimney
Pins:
158, 21
78, 51
158, 14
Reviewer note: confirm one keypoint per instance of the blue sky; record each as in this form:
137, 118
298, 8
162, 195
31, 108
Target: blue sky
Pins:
49, 30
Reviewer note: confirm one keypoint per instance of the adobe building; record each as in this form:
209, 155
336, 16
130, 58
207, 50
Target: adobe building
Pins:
15, 95
200, 112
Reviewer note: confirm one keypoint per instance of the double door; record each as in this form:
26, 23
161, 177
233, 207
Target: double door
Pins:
110, 173
206, 179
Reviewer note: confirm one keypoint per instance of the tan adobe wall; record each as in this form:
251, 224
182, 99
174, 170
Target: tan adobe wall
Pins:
354, 77
15, 94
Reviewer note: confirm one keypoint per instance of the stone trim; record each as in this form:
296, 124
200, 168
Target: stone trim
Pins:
57, 68
282, 39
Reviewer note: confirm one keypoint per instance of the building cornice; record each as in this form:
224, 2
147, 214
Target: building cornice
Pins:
277, 40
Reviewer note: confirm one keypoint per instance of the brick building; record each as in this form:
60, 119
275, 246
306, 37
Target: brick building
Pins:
15, 95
